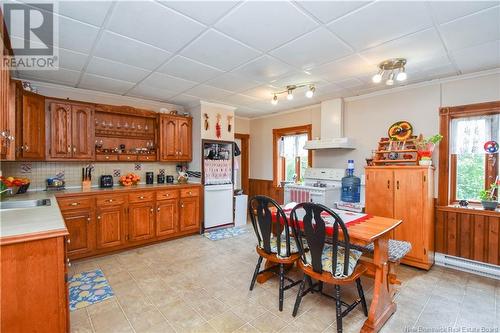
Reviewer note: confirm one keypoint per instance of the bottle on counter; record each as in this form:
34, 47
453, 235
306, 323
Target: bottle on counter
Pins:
351, 185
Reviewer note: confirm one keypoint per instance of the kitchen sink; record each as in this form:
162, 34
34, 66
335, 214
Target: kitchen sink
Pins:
24, 203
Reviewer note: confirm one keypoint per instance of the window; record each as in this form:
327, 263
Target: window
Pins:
465, 167
290, 159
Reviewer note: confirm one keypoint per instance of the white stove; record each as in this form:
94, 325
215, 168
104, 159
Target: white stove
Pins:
320, 185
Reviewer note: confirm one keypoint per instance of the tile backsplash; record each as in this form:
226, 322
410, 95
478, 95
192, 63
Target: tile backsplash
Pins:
38, 172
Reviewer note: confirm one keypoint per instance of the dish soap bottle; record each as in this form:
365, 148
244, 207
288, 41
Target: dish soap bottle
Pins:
351, 185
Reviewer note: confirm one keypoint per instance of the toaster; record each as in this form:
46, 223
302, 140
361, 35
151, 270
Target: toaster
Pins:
106, 181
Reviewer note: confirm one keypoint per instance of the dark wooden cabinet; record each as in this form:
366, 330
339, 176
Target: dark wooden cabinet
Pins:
141, 218
30, 125
71, 134
189, 216
80, 239
111, 227
7, 111
167, 217
175, 138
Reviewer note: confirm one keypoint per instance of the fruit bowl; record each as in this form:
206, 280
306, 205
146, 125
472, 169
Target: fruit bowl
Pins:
130, 179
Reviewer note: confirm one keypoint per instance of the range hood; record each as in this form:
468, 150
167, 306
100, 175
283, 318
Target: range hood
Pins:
332, 128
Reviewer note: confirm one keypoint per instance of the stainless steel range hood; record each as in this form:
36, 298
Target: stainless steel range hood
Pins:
332, 128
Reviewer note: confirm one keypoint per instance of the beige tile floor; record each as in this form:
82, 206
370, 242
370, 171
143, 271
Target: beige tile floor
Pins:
197, 285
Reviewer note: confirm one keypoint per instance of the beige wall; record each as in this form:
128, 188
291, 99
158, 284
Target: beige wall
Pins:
241, 125
367, 118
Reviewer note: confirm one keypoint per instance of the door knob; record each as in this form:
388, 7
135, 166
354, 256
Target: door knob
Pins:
98, 217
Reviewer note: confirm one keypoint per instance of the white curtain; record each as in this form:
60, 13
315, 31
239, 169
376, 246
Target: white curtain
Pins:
468, 135
291, 146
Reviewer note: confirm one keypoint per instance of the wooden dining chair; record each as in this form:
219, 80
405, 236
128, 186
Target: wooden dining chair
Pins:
335, 263
274, 242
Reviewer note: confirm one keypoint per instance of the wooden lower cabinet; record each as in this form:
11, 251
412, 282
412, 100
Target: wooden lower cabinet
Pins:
101, 223
34, 292
141, 221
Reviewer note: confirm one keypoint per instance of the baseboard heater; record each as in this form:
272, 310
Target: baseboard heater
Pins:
467, 265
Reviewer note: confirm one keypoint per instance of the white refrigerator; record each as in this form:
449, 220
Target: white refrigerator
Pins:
217, 177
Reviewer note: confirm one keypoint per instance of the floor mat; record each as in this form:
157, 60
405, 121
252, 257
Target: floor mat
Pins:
87, 288
225, 233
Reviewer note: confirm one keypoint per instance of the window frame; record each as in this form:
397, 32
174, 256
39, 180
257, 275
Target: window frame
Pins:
448, 162
278, 161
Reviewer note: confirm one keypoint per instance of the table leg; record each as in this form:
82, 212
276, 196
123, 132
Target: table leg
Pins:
382, 306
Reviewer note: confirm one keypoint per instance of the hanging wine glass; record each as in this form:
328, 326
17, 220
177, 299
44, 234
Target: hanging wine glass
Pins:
103, 124
118, 125
133, 126
139, 127
110, 124
126, 125
146, 128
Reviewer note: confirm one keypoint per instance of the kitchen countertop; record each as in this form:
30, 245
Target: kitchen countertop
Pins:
21, 224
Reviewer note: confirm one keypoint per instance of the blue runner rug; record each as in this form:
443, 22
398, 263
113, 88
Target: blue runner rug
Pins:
225, 233
87, 288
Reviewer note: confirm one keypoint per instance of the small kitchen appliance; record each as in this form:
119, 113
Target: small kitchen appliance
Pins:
106, 181
160, 178
170, 179
150, 178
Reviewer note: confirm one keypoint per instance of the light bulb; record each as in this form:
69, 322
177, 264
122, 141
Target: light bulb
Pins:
310, 92
390, 80
274, 101
377, 78
290, 95
401, 76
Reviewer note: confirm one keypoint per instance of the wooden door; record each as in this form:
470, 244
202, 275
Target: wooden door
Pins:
168, 138
110, 227
82, 132
380, 192
189, 216
60, 131
408, 206
33, 127
167, 217
184, 139
141, 221
7, 111
78, 224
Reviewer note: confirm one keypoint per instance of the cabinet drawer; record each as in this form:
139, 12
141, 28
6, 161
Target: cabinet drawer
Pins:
110, 200
106, 157
190, 192
167, 194
145, 158
141, 196
127, 157
74, 203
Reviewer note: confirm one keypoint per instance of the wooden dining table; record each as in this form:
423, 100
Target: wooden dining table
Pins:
373, 229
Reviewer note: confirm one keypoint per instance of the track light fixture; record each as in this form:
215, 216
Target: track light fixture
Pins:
290, 90
391, 66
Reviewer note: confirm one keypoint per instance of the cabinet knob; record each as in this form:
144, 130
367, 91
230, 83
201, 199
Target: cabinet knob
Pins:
74, 149
110, 200
397, 184
107, 157
151, 210
74, 204
88, 219
69, 149
68, 241
68, 262
98, 217
388, 184
141, 197
190, 193
167, 195
182, 205
158, 209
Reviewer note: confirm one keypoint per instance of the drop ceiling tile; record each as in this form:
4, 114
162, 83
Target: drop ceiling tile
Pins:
352, 83
312, 49
154, 24
115, 70
240, 100
208, 93
264, 92
246, 112
264, 69
350, 66
60, 76
380, 22
206, 12
416, 47
188, 69
479, 57
327, 11
167, 82
233, 82
128, 51
100, 83
185, 100
445, 11
266, 24
426, 74
472, 30
76, 36
149, 92
219, 51
92, 12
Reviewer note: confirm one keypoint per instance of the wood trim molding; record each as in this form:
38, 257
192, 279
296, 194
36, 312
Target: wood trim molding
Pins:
446, 115
279, 132
7, 240
245, 167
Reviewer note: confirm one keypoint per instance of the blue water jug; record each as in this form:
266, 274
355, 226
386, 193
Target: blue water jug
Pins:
351, 185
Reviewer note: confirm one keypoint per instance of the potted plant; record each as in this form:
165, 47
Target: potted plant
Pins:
488, 198
425, 148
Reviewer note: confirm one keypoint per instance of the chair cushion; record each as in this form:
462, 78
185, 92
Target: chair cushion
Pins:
397, 249
274, 246
326, 261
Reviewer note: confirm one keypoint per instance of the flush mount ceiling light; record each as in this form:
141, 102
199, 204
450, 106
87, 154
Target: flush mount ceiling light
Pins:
311, 89
394, 68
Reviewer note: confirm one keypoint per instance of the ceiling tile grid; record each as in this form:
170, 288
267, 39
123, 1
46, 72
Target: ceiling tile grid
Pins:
240, 52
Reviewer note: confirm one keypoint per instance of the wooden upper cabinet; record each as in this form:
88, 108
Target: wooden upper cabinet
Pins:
175, 138
7, 112
71, 131
30, 126
82, 118
379, 192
